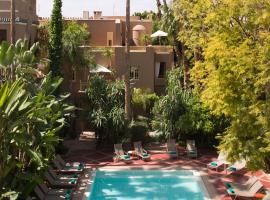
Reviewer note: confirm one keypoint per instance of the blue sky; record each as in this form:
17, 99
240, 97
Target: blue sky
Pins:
74, 8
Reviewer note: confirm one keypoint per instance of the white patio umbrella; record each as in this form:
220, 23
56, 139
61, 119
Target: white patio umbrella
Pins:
100, 69
159, 34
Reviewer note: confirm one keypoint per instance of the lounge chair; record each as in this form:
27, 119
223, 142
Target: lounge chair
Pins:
51, 191
171, 149
248, 193
42, 196
67, 168
248, 184
191, 149
139, 151
62, 176
267, 196
120, 154
68, 164
238, 165
60, 183
221, 160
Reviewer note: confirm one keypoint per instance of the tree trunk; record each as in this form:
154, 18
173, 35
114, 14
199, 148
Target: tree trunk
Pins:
159, 10
127, 73
185, 64
12, 21
12, 34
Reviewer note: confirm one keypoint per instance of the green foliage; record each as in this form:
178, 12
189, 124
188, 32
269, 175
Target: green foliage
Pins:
29, 122
138, 130
20, 61
108, 53
43, 37
106, 110
55, 42
75, 36
143, 100
180, 114
232, 77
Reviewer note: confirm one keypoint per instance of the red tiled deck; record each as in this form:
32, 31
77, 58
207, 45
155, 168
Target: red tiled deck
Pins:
160, 158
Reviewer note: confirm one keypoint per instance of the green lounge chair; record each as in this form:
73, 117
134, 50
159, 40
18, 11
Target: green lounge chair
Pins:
246, 193
238, 165
244, 186
267, 196
140, 152
191, 149
60, 183
51, 191
120, 154
221, 160
68, 168
62, 176
171, 149
42, 196
68, 164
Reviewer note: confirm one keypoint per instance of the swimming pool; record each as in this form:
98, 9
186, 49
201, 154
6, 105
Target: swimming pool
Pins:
147, 185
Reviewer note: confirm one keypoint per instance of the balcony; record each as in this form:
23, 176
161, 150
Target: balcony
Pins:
163, 49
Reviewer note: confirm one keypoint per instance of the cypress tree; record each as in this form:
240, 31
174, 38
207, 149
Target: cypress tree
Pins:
55, 43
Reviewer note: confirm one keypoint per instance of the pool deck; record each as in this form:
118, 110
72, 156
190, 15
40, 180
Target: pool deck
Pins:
214, 181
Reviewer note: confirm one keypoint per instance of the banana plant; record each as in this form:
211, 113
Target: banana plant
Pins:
29, 126
17, 60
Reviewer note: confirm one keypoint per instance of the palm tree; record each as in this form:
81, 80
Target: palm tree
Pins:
159, 10
127, 73
12, 21
108, 53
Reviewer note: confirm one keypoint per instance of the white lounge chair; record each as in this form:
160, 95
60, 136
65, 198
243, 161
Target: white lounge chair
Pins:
238, 165
248, 193
171, 149
221, 160
191, 149
267, 196
244, 186
139, 151
120, 154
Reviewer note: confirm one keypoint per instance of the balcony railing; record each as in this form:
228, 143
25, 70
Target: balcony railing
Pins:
163, 49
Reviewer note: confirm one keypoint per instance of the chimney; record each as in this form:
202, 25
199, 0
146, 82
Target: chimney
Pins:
85, 14
97, 14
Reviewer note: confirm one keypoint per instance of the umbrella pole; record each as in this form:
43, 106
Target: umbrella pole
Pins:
159, 38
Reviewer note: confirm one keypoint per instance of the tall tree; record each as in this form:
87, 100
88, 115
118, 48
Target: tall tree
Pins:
159, 14
171, 23
55, 43
233, 77
127, 58
12, 21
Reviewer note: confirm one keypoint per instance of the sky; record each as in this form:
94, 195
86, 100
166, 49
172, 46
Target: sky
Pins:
75, 8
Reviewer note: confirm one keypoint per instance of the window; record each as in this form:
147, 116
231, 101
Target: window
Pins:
160, 70
134, 73
3, 35
110, 43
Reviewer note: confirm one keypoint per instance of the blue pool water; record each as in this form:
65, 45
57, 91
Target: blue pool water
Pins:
146, 185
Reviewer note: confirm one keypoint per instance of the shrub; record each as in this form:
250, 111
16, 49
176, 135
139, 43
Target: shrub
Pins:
106, 110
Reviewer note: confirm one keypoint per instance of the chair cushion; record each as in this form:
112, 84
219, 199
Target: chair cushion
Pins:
233, 169
172, 152
230, 191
